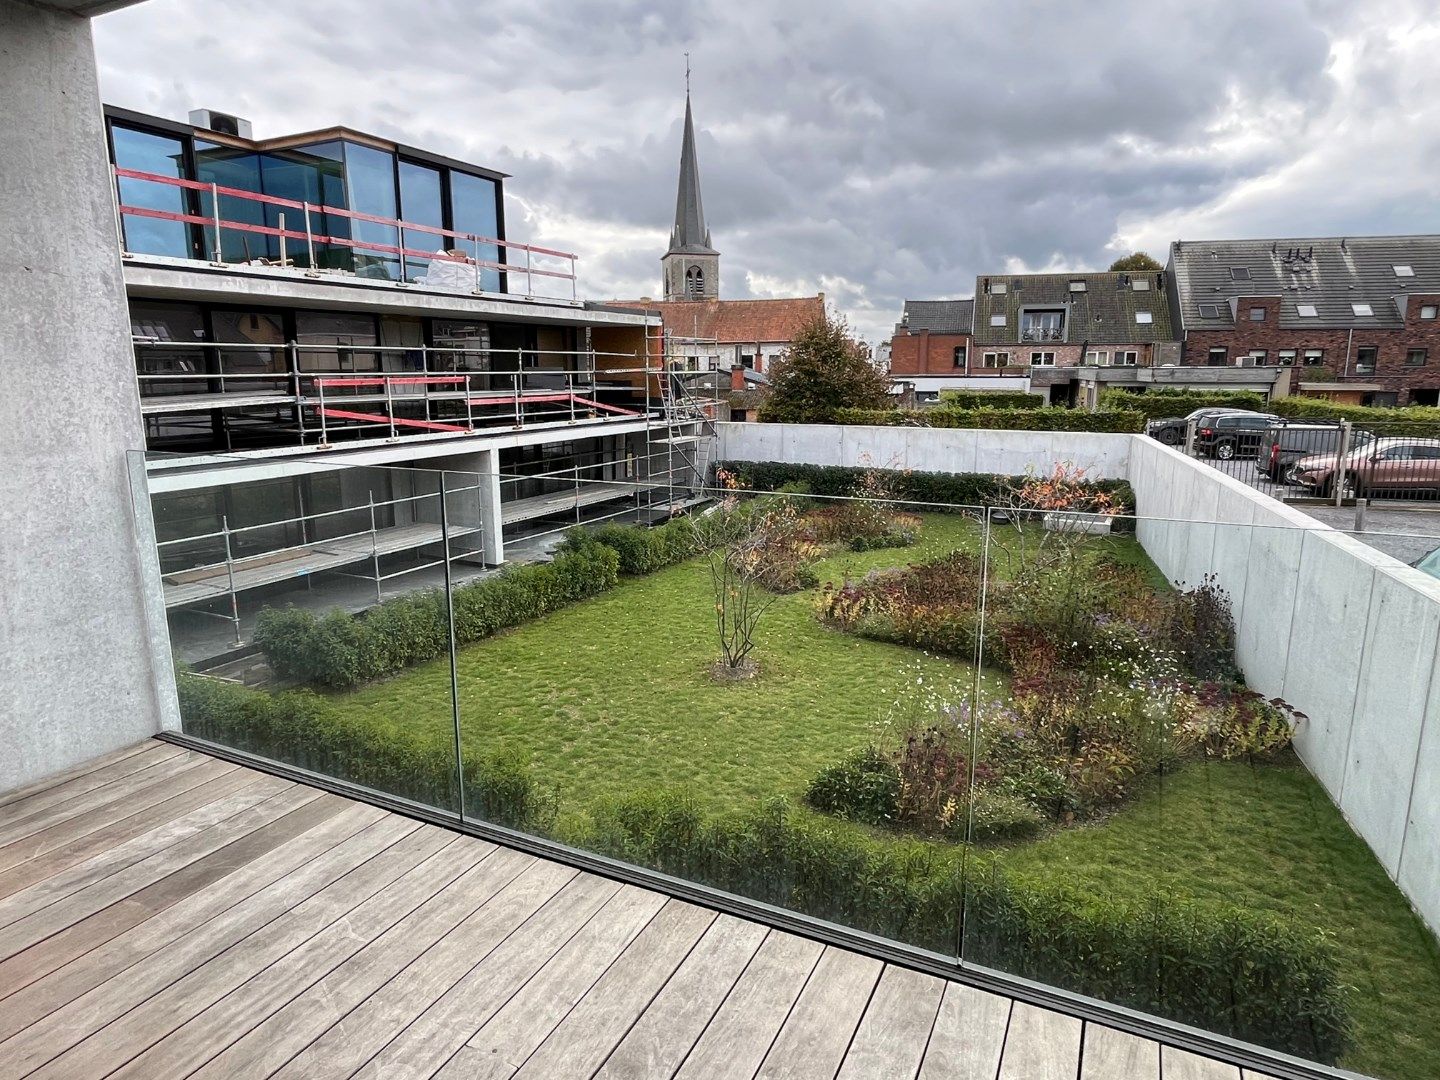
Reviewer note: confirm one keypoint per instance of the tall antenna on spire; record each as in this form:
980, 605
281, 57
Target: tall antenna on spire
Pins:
687, 74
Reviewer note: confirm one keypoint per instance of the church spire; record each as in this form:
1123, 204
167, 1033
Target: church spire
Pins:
691, 268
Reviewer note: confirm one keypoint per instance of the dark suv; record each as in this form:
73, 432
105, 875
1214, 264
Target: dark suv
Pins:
1232, 434
1171, 430
1282, 445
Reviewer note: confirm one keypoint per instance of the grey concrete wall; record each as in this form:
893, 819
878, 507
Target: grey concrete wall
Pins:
1105, 457
83, 670
1345, 633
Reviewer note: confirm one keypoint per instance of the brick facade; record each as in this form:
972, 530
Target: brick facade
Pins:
1340, 348
923, 353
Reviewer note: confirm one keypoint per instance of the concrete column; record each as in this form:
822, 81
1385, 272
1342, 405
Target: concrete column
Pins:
84, 667
491, 523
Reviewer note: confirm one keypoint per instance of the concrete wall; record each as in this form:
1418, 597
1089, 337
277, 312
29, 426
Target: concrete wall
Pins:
1346, 634
83, 668
1105, 457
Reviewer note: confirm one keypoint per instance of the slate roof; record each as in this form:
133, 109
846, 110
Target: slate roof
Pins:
1330, 273
938, 316
1104, 313
734, 322
690, 234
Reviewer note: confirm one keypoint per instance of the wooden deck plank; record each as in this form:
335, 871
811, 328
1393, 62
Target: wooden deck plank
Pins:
199, 1039
189, 933
269, 1045
84, 777
1182, 1065
353, 1040
72, 927
812, 1043
518, 1028
144, 1024
105, 832
586, 1037
675, 1020
891, 1038
442, 1028
19, 826
740, 1034
968, 1037
1116, 1055
1040, 1045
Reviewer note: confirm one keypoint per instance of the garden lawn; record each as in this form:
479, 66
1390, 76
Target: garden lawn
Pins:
1268, 838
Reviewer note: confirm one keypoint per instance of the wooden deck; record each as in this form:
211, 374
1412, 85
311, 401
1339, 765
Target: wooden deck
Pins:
167, 914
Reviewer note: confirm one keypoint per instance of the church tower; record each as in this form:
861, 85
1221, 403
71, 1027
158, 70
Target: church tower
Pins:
691, 267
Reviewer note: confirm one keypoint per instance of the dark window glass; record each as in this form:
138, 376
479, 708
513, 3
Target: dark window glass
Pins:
421, 203
165, 155
167, 347
959, 356
1365, 360
226, 166
251, 343
330, 341
1257, 314
316, 175
371, 175
1416, 357
473, 210
1216, 357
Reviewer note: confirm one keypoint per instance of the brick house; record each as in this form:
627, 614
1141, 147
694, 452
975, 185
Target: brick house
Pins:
929, 351
1356, 317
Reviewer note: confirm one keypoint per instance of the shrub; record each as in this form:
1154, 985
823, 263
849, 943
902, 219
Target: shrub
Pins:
303, 729
1163, 403
1231, 722
338, 650
1237, 972
938, 491
1201, 630
996, 815
863, 787
994, 399
640, 549
1042, 419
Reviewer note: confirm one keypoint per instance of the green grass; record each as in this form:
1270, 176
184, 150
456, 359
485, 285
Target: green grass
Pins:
613, 695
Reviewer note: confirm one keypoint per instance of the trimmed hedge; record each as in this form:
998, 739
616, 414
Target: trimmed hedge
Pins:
958, 490
1163, 404
1237, 972
639, 549
303, 729
997, 399
1043, 419
1417, 420
339, 650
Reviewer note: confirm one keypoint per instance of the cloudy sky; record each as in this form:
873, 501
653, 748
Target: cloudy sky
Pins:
875, 152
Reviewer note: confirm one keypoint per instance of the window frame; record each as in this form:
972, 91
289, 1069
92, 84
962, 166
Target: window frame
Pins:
1257, 314
1307, 311
1410, 354
1368, 311
1213, 307
1042, 362
1144, 318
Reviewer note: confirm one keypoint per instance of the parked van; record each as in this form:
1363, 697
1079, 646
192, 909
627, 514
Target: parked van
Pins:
1283, 444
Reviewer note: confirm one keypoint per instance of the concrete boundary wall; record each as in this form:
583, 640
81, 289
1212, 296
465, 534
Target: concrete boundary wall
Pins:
959, 450
1345, 633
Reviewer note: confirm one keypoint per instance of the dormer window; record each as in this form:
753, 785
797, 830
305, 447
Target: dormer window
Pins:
1209, 311
1362, 309
1306, 311
1402, 270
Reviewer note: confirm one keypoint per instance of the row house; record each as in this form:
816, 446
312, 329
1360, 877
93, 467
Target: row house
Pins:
1354, 318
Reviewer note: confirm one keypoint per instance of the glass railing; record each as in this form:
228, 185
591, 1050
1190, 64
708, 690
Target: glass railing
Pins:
1185, 768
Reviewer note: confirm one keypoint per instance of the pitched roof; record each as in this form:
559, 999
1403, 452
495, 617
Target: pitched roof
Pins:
690, 234
734, 322
1104, 311
1329, 274
938, 316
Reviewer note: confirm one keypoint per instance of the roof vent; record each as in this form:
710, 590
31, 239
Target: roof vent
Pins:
221, 123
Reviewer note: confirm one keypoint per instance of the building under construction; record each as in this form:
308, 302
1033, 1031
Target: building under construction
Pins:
347, 372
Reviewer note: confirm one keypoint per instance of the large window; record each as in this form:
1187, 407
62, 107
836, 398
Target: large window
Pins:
167, 348
474, 209
145, 151
332, 341
1042, 325
1365, 357
251, 343
226, 166
371, 177
315, 175
422, 202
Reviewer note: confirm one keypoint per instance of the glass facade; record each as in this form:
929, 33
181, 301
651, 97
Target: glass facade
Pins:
475, 209
145, 151
372, 182
422, 201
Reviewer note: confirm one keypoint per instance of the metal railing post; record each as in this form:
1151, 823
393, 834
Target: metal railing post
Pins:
570, 394
475, 249
519, 420
400, 234
309, 239
450, 630
230, 577
219, 256
293, 354
324, 424
529, 278
375, 546
283, 260
389, 403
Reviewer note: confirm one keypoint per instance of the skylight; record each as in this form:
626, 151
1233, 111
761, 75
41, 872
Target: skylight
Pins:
1077, 286
1209, 311
1306, 311
1361, 309
997, 287
1401, 270
1141, 284
1144, 317
997, 320
1239, 273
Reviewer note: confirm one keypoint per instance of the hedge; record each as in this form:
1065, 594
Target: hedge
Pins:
957, 490
997, 399
339, 650
1164, 403
1045, 419
1240, 973
639, 549
303, 729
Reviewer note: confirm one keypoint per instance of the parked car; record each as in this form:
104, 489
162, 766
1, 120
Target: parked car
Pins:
1232, 434
1399, 465
1171, 430
1283, 444
1429, 564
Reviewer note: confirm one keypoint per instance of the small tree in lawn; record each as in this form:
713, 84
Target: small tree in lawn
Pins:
824, 369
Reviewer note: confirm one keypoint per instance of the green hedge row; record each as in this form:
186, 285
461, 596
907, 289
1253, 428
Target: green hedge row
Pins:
1163, 403
1046, 419
1237, 972
997, 399
303, 729
960, 490
339, 650
1419, 420
640, 550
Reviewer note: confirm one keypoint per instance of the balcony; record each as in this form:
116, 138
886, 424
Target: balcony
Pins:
906, 756
1042, 333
